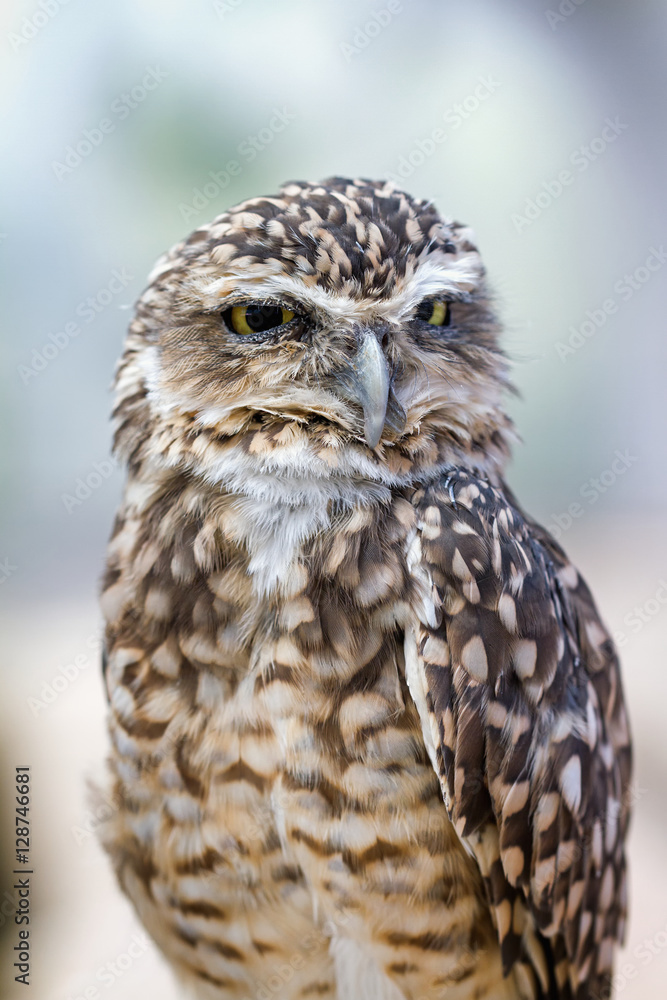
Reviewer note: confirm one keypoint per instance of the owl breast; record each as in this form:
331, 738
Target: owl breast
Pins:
271, 757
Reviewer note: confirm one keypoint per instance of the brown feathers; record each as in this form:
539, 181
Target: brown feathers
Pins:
366, 725
533, 735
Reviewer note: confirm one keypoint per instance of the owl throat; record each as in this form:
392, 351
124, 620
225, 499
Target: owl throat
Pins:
281, 484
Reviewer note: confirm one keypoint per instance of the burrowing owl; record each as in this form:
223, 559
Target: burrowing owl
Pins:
369, 738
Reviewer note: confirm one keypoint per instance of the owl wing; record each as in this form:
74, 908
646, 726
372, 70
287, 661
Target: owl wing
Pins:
518, 688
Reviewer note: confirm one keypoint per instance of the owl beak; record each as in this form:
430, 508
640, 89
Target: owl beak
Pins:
370, 376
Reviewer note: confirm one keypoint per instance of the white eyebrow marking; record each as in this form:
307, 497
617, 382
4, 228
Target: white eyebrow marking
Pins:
434, 276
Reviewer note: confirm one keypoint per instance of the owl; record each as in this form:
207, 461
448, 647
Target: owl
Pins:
368, 737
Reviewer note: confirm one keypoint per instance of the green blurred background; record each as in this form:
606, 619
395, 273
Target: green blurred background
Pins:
540, 124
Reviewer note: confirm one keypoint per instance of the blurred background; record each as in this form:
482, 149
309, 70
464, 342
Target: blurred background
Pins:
127, 125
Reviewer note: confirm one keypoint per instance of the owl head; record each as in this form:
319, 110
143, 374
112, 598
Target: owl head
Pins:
333, 331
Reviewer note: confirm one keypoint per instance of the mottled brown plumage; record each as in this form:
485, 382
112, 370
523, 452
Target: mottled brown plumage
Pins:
367, 729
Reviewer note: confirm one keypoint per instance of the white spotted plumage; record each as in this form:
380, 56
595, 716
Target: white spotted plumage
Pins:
366, 725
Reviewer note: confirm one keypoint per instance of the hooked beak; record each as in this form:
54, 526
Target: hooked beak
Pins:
368, 380
373, 386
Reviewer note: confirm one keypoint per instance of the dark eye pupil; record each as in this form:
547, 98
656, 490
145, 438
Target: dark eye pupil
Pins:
425, 310
261, 318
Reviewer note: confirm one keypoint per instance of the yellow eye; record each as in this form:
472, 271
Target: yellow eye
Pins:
434, 311
256, 317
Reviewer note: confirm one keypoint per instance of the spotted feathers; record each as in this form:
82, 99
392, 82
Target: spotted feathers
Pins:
367, 730
532, 743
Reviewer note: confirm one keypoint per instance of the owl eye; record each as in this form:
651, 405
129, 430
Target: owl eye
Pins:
434, 311
256, 317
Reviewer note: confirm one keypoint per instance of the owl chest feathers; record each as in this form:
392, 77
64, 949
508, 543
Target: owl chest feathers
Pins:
326, 674
294, 600
287, 744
